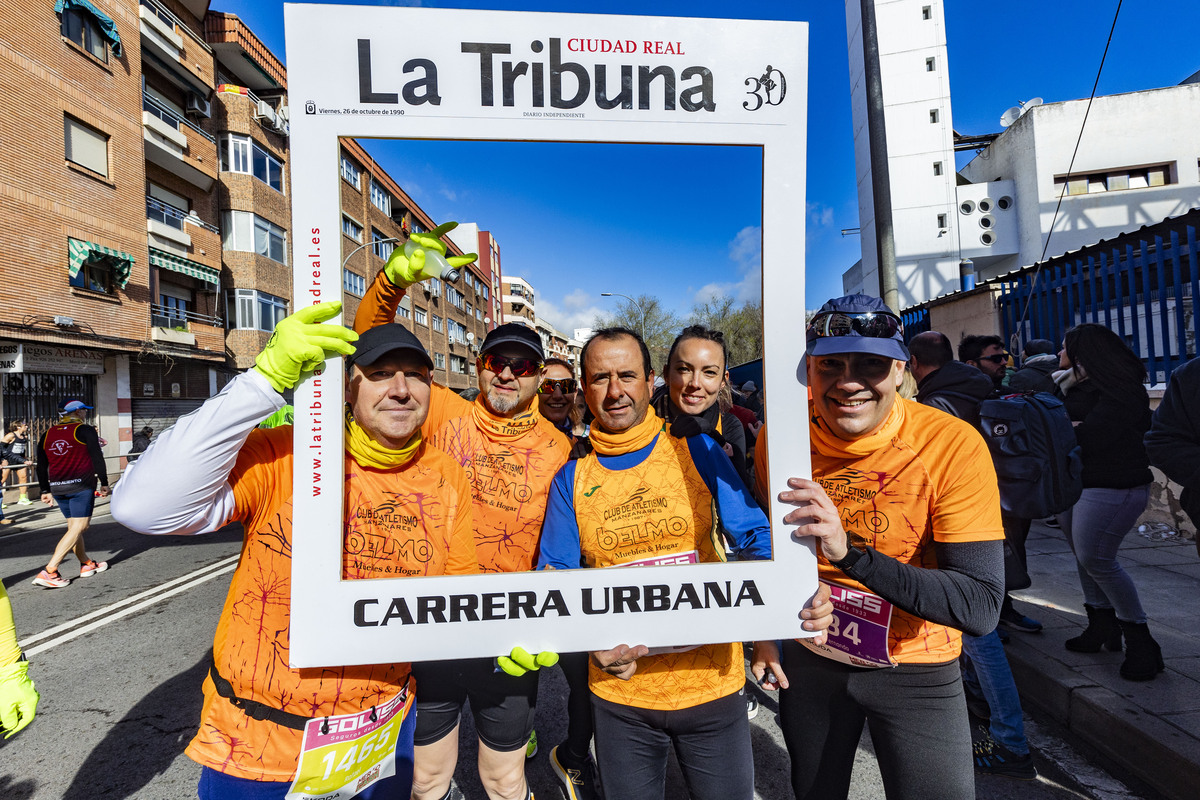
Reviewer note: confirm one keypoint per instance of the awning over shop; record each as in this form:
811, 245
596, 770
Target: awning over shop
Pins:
165, 260
80, 252
108, 28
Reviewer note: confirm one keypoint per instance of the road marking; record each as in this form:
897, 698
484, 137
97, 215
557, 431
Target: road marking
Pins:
123, 608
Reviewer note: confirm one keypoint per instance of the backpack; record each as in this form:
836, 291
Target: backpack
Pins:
1038, 462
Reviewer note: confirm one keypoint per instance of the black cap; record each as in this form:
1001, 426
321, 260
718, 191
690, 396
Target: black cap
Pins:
1039, 347
379, 341
514, 333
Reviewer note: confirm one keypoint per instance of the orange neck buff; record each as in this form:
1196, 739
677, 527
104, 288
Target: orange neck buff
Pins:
825, 443
370, 453
503, 429
635, 438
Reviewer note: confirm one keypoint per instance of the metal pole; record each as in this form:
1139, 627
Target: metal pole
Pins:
881, 187
640, 308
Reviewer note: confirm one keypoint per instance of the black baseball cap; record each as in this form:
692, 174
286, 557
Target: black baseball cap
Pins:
862, 306
514, 333
383, 339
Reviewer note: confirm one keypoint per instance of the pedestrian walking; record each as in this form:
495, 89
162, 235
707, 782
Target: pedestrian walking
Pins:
71, 473
16, 444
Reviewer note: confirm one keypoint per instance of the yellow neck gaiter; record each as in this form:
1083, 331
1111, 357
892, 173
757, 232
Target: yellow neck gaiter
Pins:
627, 441
827, 444
503, 429
370, 453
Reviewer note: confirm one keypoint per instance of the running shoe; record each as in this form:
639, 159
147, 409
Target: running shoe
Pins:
91, 568
1016, 621
51, 580
6, 522
751, 706
993, 758
24, 501
531, 745
577, 778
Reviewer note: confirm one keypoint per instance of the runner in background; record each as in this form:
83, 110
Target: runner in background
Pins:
69, 465
264, 724
510, 453
16, 442
905, 511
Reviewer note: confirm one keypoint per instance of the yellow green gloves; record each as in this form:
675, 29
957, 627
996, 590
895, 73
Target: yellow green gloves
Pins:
301, 344
519, 661
18, 698
424, 256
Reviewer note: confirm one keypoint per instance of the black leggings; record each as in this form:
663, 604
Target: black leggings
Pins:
917, 716
579, 705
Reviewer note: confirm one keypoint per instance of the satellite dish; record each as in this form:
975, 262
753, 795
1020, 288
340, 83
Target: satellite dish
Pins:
1013, 114
470, 337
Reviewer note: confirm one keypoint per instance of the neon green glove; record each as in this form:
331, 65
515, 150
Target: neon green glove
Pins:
300, 344
423, 256
520, 661
18, 698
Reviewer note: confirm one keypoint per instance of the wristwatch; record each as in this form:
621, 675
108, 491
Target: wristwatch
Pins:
851, 558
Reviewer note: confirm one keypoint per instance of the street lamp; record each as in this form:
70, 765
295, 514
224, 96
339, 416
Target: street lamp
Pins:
640, 307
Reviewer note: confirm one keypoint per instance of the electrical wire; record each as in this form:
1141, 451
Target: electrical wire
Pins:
1067, 180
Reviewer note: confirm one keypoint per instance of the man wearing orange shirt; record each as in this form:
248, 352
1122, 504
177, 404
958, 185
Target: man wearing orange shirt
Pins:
510, 453
407, 511
642, 478
905, 510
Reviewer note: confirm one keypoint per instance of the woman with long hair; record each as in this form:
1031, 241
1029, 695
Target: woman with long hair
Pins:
1102, 382
16, 441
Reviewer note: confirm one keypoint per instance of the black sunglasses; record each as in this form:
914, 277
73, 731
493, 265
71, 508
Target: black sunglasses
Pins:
872, 324
999, 358
564, 385
521, 367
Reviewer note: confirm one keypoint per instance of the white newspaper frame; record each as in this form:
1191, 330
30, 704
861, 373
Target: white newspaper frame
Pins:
758, 90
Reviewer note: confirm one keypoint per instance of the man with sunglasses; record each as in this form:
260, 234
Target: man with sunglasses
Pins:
642, 479
905, 512
987, 354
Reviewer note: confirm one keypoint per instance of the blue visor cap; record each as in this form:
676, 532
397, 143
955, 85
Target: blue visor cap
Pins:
857, 323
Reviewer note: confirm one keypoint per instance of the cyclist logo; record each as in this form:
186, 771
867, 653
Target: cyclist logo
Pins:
768, 89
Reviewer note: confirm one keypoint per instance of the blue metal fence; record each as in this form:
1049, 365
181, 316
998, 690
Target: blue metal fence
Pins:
1142, 285
916, 320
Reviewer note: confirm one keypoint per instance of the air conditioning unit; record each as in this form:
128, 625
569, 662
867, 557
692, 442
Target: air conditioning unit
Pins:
263, 110
197, 106
284, 113
280, 124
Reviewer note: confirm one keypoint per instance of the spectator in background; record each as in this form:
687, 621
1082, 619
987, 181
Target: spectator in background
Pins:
1039, 360
16, 454
946, 384
1173, 441
986, 353
141, 440
1102, 384
751, 398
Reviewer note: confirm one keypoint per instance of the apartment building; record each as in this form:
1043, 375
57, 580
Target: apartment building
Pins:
517, 301
110, 250
470, 238
378, 216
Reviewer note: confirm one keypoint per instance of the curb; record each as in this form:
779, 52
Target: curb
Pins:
1158, 753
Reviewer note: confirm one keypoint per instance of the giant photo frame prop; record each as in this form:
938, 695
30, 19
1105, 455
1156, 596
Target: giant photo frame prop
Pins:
439, 74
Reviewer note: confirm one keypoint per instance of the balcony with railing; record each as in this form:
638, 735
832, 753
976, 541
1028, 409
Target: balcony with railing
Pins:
175, 325
177, 144
168, 222
172, 48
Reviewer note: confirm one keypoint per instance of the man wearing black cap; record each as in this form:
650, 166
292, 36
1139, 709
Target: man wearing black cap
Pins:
215, 466
1039, 360
69, 464
905, 510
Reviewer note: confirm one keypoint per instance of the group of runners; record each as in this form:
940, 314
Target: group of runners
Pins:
419, 462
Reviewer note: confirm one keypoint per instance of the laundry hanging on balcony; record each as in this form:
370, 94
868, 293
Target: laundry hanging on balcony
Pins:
108, 28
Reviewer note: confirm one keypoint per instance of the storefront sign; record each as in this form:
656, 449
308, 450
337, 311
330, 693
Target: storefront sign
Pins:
49, 359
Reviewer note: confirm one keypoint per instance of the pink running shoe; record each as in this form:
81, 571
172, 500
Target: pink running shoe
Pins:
91, 568
51, 580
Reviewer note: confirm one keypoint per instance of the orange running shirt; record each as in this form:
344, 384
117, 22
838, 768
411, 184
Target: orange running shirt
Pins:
660, 507
931, 480
510, 480
412, 521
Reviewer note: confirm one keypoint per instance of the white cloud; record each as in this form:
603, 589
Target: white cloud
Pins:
576, 310
449, 194
745, 257
819, 215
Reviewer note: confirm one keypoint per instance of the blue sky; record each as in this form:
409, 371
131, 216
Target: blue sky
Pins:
609, 239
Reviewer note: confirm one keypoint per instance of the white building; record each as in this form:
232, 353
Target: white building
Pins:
1134, 166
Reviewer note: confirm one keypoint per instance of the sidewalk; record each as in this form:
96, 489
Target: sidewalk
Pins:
1150, 729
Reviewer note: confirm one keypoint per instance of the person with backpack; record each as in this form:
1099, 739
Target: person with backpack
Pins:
1039, 360
1102, 382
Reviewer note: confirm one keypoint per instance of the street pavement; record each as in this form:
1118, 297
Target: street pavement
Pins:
119, 659
1150, 729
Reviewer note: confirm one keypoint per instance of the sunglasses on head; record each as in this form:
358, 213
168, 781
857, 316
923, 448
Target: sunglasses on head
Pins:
564, 385
999, 358
521, 367
872, 324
